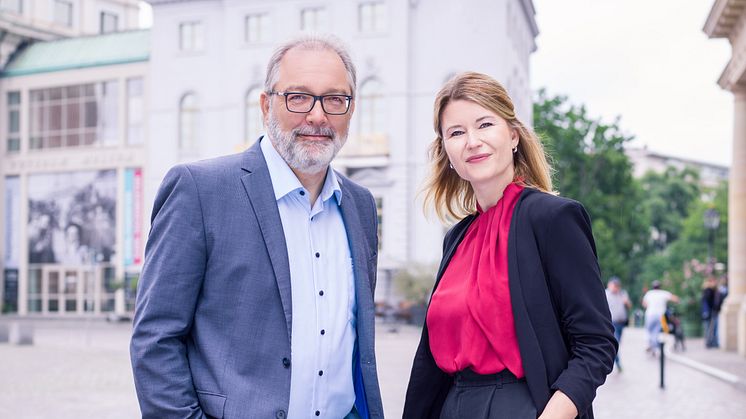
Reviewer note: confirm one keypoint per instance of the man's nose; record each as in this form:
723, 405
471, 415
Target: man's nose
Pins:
316, 116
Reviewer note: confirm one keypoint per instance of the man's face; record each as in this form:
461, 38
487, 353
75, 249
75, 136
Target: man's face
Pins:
308, 141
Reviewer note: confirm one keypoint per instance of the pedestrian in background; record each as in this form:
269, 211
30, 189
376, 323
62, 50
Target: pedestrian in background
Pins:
619, 306
711, 302
517, 326
655, 302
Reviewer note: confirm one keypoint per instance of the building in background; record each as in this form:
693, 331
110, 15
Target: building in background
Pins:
91, 120
72, 147
643, 160
208, 62
727, 19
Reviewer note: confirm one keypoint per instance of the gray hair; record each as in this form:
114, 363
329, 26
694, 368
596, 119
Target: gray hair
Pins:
312, 43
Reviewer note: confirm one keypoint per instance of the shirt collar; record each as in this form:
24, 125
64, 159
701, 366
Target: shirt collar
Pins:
284, 180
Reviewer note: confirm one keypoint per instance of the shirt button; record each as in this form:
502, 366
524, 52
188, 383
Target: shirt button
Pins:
321, 373
318, 254
285, 363
318, 413
280, 414
321, 293
302, 193
323, 331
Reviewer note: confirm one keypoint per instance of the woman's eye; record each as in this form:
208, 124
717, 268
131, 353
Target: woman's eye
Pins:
456, 133
486, 124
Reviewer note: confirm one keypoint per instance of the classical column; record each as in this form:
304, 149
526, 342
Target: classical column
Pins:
733, 314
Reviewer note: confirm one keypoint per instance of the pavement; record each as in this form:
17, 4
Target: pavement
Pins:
80, 368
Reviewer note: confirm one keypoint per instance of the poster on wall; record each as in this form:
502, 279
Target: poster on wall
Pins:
72, 217
132, 220
12, 241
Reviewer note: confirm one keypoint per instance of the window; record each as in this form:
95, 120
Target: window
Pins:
15, 6
135, 111
191, 36
313, 19
188, 122
252, 115
63, 13
372, 17
109, 22
73, 116
256, 28
14, 121
371, 109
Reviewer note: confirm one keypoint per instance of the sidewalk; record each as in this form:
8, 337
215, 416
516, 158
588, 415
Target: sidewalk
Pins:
724, 365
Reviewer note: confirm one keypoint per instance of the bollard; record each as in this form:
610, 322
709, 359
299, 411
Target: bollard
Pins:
661, 344
21, 333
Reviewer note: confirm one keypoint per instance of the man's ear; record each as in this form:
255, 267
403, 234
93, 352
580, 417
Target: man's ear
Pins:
264, 99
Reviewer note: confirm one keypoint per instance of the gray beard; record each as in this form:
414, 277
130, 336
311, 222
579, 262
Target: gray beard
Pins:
300, 155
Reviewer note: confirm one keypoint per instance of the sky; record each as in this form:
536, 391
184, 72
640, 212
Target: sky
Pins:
646, 61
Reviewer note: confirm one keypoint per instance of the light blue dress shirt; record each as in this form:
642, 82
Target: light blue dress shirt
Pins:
323, 293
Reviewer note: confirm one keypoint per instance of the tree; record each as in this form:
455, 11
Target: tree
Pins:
591, 167
669, 198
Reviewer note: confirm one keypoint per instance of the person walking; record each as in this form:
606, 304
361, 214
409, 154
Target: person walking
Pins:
655, 301
256, 295
619, 306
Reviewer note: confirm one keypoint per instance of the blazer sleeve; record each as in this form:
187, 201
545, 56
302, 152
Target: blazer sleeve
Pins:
574, 278
170, 282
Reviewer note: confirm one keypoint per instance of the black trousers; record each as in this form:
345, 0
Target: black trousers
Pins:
494, 396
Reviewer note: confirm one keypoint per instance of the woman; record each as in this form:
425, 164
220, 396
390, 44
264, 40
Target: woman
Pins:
518, 325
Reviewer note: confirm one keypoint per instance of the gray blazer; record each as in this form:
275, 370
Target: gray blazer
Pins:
213, 317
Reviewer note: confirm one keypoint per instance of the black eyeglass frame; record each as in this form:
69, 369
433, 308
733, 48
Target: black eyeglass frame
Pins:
348, 100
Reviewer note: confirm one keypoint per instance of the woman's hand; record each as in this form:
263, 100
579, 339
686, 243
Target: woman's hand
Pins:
559, 407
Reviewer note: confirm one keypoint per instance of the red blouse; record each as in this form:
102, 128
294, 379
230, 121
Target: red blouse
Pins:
470, 319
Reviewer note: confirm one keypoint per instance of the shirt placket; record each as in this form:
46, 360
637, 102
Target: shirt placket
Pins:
320, 283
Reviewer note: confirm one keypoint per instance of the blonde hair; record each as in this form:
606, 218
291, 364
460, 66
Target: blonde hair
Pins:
452, 196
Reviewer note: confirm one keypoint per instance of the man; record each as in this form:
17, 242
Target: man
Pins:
655, 302
256, 297
619, 305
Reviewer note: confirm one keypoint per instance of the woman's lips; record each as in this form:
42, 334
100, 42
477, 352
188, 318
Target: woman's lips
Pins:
477, 158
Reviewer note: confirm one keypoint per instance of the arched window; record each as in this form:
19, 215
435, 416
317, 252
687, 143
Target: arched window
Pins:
252, 115
370, 108
188, 122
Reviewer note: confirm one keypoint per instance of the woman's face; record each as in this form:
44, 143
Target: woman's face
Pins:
479, 144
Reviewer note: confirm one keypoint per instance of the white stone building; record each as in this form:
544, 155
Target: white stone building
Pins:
207, 68
188, 89
644, 160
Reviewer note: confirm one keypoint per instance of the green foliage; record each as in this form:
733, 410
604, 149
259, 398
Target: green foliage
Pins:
645, 229
591, 167
415, 282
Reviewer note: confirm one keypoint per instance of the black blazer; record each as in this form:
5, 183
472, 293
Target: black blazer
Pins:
562, 319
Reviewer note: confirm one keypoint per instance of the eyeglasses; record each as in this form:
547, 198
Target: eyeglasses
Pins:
298, 102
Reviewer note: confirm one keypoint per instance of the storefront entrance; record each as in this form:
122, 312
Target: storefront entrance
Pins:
71, 290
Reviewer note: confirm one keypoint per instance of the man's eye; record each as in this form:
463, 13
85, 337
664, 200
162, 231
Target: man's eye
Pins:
335, 100
298, 98
486, 124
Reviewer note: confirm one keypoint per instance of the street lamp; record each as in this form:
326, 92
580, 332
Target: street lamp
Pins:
712, 221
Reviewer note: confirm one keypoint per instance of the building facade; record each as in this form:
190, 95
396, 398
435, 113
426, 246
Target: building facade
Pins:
208, 62
91, 121
73, 136
643, 160
727, 19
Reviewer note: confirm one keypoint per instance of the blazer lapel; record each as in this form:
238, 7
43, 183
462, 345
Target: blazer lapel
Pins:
258, 186
356, 239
